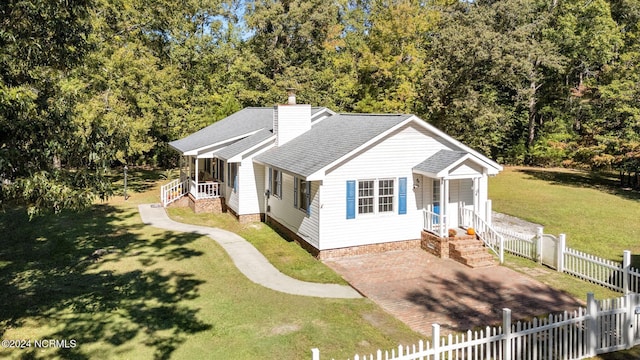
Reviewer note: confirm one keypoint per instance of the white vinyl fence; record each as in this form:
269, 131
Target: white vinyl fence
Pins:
603, 326
553, 252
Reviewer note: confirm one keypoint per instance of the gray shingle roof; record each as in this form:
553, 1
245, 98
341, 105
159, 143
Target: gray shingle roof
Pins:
244, 144
243, 122
439, 161
328, 141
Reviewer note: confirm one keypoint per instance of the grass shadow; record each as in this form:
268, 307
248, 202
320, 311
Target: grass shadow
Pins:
90, 274
139, 179
596, 180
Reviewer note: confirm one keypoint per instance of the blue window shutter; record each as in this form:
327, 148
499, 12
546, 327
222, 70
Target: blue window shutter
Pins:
295, 192
351, 199
402, 196
270, 181
308, 195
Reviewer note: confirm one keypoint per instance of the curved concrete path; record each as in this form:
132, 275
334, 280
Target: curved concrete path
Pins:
247, 258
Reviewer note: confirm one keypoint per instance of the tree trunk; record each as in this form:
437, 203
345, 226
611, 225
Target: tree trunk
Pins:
533, 102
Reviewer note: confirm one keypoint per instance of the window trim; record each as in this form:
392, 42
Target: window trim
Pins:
359, 206
376, 197
302, 190
276, 183
391, 197
232, 176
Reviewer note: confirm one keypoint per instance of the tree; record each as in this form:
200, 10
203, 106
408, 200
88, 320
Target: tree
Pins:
288, 43
40, 43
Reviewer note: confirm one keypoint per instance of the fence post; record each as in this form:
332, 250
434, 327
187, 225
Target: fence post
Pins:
506, 334
626, 264
501, 249
435, 337
539, 244
630, 301
489, 213
592, 333
315, 354
562, 242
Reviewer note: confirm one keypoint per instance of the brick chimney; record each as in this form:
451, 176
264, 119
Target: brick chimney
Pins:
290, 120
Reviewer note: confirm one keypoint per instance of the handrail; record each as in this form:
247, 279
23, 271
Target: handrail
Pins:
491, 238
435, 222
205, 190
172, 191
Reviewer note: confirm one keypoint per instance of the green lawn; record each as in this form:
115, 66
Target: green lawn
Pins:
286, 256
597, 216
161, 294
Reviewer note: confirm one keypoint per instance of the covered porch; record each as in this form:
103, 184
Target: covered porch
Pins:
452, 189
201, 177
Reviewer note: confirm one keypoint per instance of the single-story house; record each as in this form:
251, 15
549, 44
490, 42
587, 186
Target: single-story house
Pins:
336, 183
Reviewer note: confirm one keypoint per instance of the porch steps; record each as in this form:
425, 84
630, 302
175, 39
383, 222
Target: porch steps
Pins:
470, 251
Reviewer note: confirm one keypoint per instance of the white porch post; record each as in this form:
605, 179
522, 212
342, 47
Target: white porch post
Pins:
189, 168
444, 204
476, 195
488, 213
195, 191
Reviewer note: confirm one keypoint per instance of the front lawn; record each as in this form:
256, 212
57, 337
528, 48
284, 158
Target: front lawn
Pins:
286, 256
596, 215
161, 294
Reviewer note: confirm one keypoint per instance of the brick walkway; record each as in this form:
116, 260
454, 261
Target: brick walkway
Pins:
421, 289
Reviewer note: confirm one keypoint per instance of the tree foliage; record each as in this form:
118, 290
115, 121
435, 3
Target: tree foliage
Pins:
90, 84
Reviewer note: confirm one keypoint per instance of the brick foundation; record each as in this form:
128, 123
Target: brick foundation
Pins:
443, 247
435, 244
247, 218
341, 252
369, 249
210, 206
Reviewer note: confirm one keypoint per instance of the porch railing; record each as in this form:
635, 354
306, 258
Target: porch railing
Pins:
173, 191
435, 222
488, 235
205, 190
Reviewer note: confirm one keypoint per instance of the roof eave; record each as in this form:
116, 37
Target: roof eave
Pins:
238, 157
459, 144
320, 173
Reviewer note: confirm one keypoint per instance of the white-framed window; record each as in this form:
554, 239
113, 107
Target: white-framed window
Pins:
233, 176
385, 195
303, 197
276, 186
220, 170
366, 196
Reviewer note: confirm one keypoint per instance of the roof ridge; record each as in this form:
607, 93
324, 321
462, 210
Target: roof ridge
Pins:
373, 114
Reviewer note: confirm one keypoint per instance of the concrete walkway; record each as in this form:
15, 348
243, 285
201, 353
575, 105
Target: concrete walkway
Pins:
247, 258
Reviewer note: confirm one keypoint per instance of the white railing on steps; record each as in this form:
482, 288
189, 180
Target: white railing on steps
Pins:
173, 191
435, 222
491, 238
